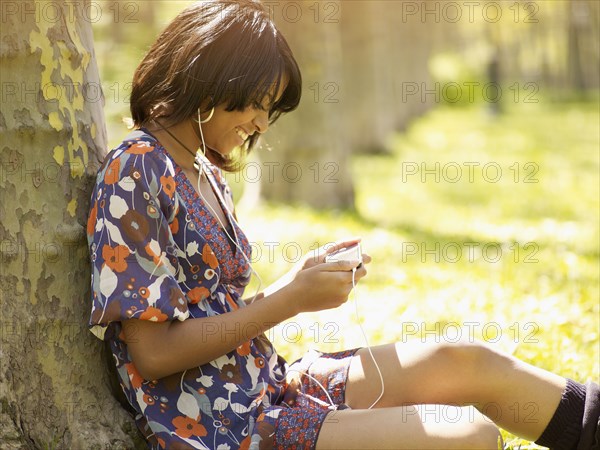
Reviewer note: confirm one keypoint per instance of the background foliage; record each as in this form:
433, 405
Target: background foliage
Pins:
538, 298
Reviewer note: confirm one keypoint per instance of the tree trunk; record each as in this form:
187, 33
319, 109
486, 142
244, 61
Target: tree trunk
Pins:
576, 17
582, 52
369, 73
386, 56
310, 158
54, 386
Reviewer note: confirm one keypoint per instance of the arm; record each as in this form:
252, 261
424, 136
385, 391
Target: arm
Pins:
199, 341
162, 349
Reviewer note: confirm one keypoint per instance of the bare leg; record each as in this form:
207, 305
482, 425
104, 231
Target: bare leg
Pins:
409, 427
517, 396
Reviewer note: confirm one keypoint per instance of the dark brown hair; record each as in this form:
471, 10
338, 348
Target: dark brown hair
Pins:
214, 52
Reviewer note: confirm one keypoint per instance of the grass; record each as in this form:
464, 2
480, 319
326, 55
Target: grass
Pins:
527, 275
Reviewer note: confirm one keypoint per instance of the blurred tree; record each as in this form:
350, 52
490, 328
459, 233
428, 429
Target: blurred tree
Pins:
368, 74
580, 18
538, 45
359, 59
310, 161
412, 45
385, 61
54, 387
122, 15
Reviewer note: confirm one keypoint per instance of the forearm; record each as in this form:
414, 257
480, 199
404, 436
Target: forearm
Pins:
159, 350
280, 283
257, 296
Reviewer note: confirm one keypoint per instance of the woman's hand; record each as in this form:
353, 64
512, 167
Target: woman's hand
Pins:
319, 285
316, 258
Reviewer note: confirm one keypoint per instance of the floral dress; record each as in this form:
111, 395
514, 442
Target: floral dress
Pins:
158, 254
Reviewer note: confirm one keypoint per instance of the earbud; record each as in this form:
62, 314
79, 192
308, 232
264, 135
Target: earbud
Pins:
212, 111
366, 339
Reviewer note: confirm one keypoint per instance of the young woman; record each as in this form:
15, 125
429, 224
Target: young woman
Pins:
170, 264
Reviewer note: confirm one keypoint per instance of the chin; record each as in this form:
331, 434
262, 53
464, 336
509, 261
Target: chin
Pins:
218, 155
229, 150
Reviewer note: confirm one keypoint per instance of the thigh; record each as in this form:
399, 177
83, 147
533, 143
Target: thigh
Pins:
320, 376
415, 373
408, 427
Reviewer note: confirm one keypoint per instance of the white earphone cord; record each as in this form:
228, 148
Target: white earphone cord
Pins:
366, 339
229, 215
236, 243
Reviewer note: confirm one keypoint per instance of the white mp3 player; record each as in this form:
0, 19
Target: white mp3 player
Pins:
353, 253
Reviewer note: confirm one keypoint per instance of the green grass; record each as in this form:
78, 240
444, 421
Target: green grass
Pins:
534, 292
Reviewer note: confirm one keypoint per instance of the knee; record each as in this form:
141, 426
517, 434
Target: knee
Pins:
470, 357
486, 436
481, 432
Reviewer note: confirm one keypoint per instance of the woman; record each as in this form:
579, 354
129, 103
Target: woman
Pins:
170, 264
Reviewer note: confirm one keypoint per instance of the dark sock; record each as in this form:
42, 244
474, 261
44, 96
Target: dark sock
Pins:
564, 429
590, 433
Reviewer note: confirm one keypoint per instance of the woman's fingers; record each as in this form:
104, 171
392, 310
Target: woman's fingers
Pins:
339, 266
360, 273
342, 244
318, 256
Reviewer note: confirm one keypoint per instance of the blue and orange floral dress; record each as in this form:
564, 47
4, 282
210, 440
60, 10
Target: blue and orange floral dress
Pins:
158, 254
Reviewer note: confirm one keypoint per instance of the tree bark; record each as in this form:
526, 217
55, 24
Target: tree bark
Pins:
54, 385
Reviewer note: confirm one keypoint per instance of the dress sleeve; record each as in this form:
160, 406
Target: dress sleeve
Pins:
130, 226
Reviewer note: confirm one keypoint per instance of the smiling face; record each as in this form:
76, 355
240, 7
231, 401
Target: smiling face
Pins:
227, 130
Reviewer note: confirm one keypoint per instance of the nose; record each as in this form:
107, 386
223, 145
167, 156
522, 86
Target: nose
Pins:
261, 121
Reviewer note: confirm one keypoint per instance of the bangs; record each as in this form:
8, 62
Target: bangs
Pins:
290, 99
255, 81
258, 89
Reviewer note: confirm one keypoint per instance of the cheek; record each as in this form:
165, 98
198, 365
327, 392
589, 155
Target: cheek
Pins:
221, 129
215, 131
243, 118
222, 136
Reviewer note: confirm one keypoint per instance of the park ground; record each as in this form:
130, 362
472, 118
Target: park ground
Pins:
480, 227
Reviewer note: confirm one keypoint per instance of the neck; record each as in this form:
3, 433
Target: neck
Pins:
179, 140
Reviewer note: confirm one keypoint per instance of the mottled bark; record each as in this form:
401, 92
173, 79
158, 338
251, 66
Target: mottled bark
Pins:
54, 386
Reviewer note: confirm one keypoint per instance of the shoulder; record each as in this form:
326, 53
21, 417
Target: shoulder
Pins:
140, 157
138, 164
139, 148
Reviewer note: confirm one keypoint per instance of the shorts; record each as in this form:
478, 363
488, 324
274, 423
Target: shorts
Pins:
305, 403
294, 422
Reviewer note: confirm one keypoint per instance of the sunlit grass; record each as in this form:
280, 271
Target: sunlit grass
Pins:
527, 278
